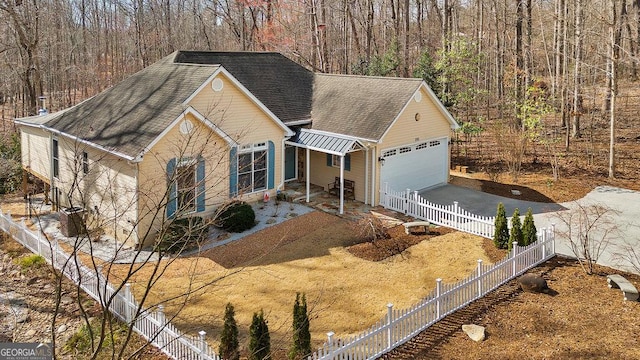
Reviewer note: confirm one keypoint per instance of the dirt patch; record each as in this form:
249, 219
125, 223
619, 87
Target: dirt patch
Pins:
584, 320
397, 242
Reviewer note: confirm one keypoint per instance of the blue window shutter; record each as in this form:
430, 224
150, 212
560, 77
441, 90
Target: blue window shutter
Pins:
233, 172
271, 166
347, 162
200, 186
172, 201
329, 160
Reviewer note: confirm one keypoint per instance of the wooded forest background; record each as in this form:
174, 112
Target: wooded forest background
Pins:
515, 62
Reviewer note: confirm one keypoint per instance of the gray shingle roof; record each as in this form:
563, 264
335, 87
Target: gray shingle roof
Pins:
130, 115
282, 85
359, 106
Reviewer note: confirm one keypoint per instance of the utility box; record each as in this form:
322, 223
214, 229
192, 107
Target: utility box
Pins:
72, 221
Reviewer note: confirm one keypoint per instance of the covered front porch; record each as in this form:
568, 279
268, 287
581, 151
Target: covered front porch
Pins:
337, 163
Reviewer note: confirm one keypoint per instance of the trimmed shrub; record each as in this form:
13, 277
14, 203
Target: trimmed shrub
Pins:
301, 336
501, 234
184, 234
229, 347
237, 216
259, 338
529, 230
516, 230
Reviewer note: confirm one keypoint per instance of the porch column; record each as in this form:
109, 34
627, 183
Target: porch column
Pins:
341, 184
307, 167
374, 163
366, 175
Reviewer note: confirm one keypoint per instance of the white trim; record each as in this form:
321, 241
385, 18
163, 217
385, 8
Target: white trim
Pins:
243, 89
299, 122
197, 115
452, 122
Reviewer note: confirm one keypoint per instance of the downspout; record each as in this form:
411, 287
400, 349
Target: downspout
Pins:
282, 166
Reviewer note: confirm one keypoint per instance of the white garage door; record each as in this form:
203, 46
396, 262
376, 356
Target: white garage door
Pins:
416, 166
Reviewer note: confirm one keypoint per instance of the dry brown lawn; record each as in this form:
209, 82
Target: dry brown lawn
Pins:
309, 254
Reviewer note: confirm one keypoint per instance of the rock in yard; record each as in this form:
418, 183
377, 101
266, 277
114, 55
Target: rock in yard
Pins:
475, 332
532, 283
30, 333
62, 328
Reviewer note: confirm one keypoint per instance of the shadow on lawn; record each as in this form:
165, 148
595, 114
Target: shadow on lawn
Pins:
307, 236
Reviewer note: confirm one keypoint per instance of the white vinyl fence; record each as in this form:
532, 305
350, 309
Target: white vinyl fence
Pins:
400, 325
152, 325
453, 216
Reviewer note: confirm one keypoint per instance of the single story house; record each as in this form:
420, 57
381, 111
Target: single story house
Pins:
196, 129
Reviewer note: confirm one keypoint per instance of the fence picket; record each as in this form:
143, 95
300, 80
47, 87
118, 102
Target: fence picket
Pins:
151, 325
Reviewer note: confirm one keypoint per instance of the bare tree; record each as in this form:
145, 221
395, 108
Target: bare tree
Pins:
588, 228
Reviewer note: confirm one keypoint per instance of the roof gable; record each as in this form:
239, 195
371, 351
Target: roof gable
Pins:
131, 114
282, 85
359, 106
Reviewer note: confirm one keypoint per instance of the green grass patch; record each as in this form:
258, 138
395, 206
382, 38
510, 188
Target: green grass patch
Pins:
32, 261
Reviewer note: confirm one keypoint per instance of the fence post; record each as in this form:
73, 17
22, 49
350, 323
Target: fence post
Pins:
389, 326
455, 215
416, 205
39, 230
330, 342
543, 232
23, 232
479, 278
406, 201
163, 322
128, 315
553, 237
385, 201
438, 292
203, 344
514, 251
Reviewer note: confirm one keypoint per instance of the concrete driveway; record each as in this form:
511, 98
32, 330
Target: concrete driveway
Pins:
626, 219
484, 204
626, 204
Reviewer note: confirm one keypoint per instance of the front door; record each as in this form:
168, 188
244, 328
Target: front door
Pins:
289, 163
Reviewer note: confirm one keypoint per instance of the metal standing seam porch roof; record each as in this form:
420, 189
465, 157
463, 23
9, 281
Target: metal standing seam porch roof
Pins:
329, 143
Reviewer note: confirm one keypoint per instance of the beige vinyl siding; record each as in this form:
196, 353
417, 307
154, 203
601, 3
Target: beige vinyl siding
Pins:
107, 191
153, 172
322, 175
406, 130
242, 119
35, 146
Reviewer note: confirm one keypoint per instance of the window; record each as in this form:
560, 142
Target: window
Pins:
434, 143
335, 160
252, 168
85, 163
405, 149
388, 153
186, 185
422, 146
55, 158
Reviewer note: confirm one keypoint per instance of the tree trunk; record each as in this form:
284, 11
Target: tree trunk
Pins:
577, 73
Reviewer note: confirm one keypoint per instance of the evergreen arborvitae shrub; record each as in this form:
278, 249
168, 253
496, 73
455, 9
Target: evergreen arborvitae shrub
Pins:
516, 230
259, 338
301, 335
237, 217
229, 347
529, 230
501, 235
